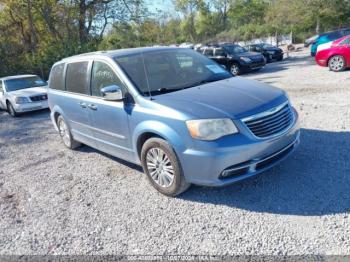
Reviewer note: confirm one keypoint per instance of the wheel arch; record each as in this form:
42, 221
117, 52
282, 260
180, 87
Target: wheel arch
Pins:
149, 129
333, 55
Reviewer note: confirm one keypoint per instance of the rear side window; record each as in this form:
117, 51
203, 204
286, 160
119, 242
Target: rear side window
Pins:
209, 52
77, 78
56, 77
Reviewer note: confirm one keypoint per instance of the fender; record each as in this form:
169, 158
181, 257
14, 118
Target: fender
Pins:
54, 110
160, 129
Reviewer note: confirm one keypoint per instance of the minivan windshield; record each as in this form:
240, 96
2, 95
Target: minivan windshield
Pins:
163, 71
23, 83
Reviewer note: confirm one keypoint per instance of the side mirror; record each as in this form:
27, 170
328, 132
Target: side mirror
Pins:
112, 93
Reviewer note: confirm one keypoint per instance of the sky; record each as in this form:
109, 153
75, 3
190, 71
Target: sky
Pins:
162, 5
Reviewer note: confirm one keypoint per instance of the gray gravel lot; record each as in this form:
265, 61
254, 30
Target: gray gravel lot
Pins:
57, 201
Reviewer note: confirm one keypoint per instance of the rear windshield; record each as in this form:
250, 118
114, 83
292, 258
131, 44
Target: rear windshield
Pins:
23, 83
164, 71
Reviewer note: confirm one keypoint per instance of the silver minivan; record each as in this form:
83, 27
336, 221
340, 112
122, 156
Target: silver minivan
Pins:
177, 113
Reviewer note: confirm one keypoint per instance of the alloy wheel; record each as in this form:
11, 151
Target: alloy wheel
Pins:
159, 167
336, 63
64, 132
235, 69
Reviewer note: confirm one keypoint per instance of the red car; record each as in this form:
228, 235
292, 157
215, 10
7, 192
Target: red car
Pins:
336, 56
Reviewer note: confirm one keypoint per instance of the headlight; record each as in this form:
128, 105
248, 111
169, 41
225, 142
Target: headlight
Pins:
211, 129
21, 100
271, 52
245, 59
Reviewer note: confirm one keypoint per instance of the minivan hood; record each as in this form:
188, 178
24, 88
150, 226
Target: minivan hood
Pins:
27, 92
235, 97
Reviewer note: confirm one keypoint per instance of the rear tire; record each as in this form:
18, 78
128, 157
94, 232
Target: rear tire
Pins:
162, 167
65, 134
337, 63
11, 110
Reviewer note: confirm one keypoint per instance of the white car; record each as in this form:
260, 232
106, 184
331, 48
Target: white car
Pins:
22, 93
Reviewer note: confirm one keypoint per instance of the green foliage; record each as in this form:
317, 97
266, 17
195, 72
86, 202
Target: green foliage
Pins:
34, 34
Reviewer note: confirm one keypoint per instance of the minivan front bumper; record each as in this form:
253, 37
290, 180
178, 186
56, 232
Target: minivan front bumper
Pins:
237, 162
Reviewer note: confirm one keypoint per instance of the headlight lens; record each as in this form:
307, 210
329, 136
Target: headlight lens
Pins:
211, 129
21, 100
245, 59
271, 52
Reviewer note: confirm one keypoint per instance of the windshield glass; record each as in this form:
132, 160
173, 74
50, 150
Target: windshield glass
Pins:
164, 71
235, 49
267, 46
23, 83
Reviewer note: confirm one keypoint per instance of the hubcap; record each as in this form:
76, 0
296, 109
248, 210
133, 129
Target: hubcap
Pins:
337, 63
234, 69
64, 132
160, 167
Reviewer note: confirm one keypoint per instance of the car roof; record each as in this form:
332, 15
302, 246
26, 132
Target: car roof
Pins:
16, 77
117, 53
335, 31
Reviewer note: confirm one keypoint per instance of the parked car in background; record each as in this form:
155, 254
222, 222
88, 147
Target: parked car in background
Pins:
235, 58
270, 52
22, 93
187, 45
328, 37
310, 40
177, 113
336, 55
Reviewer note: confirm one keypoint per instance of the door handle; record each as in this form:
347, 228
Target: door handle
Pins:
83, 105
92, 106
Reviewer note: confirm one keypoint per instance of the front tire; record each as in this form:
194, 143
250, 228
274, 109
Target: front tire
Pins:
65, 134
162, 167
11, 110
235, 69
337, 63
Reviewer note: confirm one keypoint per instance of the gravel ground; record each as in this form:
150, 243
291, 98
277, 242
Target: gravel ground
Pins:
57, 201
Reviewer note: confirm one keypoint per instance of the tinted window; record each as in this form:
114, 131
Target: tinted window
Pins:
159, 72
76, 78
23, 83
345, 42
209, 52
103, 76
56, 77
235, 49
220, 52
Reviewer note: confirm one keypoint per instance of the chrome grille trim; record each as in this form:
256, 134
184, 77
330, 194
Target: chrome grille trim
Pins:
271, 123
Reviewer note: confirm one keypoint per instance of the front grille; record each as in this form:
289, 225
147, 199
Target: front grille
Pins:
270, 123
38, 98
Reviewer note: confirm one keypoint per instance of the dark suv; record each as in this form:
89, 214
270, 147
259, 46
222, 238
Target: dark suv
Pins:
235, 58
270, 52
